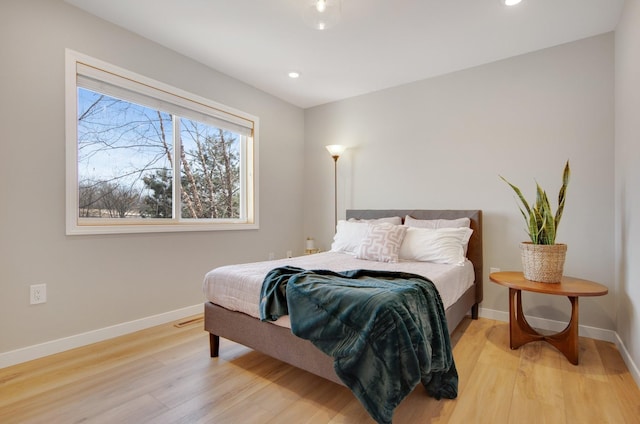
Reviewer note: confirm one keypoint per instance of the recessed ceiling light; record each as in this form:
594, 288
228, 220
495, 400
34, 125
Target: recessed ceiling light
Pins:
294, 74
321, 14
511, 2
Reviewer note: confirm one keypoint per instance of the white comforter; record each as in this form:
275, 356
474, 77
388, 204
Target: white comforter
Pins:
237, 287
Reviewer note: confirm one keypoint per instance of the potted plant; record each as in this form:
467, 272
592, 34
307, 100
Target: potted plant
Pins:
543, 258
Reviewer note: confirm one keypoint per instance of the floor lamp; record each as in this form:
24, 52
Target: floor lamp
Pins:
335, 150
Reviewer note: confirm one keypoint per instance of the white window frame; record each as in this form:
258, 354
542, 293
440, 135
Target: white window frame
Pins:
78, 65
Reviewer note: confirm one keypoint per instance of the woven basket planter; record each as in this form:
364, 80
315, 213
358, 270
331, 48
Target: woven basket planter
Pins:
543, 263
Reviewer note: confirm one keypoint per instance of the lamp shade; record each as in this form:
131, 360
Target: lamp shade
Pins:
335, 150
321, 14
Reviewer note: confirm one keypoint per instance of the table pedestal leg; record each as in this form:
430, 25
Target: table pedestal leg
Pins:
520, 332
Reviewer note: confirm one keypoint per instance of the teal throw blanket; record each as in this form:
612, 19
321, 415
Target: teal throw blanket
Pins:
386, 331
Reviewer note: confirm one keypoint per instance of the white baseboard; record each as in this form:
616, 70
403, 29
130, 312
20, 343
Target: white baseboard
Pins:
552, 325
626, 356
29, 353
584, 331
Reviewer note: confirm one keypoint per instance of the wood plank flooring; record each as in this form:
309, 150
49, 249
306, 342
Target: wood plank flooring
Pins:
165, 375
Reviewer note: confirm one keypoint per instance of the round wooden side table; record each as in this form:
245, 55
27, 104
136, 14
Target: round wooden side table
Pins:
520, 332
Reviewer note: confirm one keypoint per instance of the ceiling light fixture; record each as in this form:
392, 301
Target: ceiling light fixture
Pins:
322, 14
294, 74
511, 2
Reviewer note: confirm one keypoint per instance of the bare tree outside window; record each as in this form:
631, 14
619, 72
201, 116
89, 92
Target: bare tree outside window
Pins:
126, 163
210, 171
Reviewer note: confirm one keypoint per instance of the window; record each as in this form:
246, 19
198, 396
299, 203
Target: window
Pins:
146, 157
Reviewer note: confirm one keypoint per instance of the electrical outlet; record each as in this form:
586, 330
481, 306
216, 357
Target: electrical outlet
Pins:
289, 254
38, 293
272, 256
493, 269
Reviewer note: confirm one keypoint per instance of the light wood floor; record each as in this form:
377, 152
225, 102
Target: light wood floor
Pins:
165, 375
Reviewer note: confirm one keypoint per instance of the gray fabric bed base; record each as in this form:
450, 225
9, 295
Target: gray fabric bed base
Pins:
280, 343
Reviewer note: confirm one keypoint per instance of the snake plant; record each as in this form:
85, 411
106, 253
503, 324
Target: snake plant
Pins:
542, 223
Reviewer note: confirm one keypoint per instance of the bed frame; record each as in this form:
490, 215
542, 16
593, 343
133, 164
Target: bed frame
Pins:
281, 344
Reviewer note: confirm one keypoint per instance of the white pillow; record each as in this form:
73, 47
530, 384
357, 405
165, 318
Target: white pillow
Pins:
441, 246
395, 220
382, 242
348, 236
410, 221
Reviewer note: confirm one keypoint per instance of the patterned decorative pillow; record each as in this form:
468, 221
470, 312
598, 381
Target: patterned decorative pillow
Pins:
381, 243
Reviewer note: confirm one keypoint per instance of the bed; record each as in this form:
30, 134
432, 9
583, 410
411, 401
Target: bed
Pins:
278, 341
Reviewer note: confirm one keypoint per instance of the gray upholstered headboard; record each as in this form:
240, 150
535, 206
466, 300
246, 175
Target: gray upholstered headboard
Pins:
474, 251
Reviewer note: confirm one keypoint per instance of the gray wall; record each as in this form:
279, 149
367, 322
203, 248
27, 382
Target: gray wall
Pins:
442, 142
628, 178
98, 281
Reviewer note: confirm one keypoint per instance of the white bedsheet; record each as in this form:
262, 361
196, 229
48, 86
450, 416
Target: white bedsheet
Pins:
237, 287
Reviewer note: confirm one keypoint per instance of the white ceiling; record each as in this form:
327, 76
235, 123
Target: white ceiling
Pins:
376, 45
